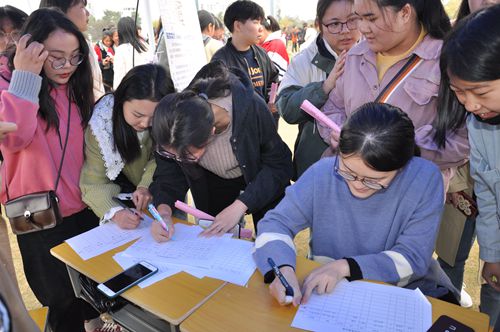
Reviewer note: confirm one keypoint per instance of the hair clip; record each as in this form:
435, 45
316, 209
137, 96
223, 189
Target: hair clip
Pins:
203, 95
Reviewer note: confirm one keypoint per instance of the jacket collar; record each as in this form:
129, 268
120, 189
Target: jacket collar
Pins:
242, 92
428, 49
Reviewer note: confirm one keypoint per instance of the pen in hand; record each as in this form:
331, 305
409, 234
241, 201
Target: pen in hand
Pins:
123, 205
156, 215
288, 289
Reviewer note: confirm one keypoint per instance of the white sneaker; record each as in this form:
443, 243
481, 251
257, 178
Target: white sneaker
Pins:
465, 299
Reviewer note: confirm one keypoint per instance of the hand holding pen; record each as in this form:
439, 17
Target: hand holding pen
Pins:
285, 287
162, 229
128, 218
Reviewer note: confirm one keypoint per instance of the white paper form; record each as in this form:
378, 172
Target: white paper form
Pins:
185, 248
363, 306
106, 237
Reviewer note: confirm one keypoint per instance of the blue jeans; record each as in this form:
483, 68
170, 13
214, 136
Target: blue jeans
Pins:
456, 273
490, 305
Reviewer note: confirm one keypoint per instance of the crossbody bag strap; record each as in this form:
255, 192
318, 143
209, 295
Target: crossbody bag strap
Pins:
396, 81
62, 157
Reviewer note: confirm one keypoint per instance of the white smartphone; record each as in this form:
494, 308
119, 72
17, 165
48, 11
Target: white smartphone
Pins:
126, 279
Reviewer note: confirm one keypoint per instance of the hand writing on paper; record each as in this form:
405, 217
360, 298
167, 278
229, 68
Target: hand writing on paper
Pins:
5, 128
30, 57
127, 219
157, 231
338, 69
141, 198
491, 273
226, 219
325, 278
278, 291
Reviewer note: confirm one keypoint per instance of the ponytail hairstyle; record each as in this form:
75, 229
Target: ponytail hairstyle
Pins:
186, 119
144, 82
381, 134
271, 24
127, 33
205, 18
470, 52
430, 13
40, 24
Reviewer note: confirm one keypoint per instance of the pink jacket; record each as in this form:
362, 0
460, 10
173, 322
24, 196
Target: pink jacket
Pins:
417, 96
32, 155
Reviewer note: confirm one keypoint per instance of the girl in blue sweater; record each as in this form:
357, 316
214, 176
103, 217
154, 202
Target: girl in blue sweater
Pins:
373, 211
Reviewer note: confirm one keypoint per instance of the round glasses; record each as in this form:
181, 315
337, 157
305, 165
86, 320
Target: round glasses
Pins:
351, 177
13, 35
169, 155
336, 27
58, 63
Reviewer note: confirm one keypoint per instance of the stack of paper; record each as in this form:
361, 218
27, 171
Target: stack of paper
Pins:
363, 306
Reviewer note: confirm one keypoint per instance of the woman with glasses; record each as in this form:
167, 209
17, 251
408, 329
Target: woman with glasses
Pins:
312, 75
398, 63
11, 22
218, 139
118, 146
46, 89
373, 211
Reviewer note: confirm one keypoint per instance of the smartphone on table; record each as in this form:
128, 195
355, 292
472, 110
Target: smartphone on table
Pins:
447, 324
126, 279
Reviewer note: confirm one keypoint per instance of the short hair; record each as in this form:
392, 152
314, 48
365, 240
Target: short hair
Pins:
63, 5
242, 10
381, 134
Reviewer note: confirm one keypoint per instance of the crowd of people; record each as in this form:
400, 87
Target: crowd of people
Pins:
415, 168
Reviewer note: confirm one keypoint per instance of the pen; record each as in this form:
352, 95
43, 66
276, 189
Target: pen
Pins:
277, 273
156, 215
123, 205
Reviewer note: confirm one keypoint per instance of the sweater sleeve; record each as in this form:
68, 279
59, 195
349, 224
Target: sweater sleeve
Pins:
279, 226
147, 177
97, 189
411, 255
19, 104
276, 160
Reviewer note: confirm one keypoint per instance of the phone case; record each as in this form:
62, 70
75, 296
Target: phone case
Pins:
447, 324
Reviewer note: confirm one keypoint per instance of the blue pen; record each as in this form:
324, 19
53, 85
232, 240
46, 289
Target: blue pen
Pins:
281, 277
156, 215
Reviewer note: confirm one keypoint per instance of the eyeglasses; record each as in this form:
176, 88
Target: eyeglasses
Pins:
58, 63
13, 35
169, 155
351, 177
336, 27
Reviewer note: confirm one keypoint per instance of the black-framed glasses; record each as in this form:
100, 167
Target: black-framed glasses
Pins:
13, 35
169, 155
336, 27
58, 63
351, 177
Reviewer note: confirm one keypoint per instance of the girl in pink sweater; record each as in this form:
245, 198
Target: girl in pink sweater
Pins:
46, 87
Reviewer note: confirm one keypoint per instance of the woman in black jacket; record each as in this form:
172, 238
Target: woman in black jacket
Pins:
218, 139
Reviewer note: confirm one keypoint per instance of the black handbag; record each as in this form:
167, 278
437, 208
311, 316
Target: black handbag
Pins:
37, 211
98, 300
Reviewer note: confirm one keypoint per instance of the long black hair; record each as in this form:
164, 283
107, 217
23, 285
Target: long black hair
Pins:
63, 5
271, 24
186, 119
40, 24
430, 13
127, 33
470, 52
15, 15
463, 10
144, 82
381, 134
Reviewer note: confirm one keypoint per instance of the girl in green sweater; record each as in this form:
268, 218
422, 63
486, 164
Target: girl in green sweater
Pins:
118, 146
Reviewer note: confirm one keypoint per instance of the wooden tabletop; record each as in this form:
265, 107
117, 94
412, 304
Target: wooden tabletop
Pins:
171, 299
236, 308
40, 317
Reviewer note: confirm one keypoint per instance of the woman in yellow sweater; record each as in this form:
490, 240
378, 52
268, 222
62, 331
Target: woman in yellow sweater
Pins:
118, 146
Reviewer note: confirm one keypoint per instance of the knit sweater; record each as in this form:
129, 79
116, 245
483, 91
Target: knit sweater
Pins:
389, 236
103, 164
32, 155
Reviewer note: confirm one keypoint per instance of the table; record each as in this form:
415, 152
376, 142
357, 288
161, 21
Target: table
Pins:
171, 300
236, 308
39, 316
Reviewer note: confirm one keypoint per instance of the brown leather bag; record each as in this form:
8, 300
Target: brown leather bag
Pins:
37, 211
33, 212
